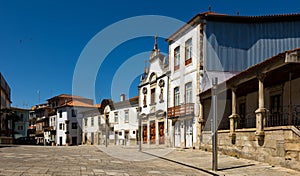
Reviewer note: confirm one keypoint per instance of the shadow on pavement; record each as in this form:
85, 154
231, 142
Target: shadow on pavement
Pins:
5, 146
183, 164
235, 167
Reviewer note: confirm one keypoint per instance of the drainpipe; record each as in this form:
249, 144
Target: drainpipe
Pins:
290, 98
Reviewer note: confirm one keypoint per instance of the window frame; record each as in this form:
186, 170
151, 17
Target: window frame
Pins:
188, 98
177, 96
126, 119
188, 51
116, 117
177, 58
74, 125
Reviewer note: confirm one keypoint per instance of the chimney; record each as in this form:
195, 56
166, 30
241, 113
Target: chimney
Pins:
122, 97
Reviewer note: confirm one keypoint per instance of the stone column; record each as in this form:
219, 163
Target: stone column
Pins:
234, 115
261, 112
200, 125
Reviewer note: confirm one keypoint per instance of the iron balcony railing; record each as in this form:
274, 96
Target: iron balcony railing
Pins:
181, 110
286, 116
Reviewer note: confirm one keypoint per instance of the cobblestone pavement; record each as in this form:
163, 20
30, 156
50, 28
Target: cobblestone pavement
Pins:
91, 160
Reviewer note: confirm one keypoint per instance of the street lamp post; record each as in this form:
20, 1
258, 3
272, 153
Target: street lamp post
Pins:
214, 125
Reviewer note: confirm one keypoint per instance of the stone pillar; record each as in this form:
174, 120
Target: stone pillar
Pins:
200, 125
261, 112
234, 115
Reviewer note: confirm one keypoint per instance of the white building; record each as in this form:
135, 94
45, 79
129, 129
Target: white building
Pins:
69, 122
153, 99
122, 121
124, 118
93, 125
185, 67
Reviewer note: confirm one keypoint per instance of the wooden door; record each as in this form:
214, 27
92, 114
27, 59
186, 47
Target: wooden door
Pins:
145, 134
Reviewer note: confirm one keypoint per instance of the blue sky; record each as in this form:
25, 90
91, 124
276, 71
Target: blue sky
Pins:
41, 41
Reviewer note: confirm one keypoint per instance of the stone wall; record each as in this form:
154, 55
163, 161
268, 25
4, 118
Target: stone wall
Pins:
280, 146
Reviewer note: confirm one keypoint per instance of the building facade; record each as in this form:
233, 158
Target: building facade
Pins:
262, 112
124, 116
69, 121
93, 127
5, 102
22, 124
153, 100
216, 45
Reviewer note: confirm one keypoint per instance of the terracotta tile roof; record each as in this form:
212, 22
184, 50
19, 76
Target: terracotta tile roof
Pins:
134, 98
65, 96
77, 103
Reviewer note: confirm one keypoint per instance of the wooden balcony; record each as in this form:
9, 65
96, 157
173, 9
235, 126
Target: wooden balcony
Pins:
181, 110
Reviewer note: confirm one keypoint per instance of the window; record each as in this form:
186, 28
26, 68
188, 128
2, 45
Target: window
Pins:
176, 96
242, 114
92, 121
153, 96
176, 58
60, 126
116, 117
188, 51
145, 97
275, 104
85, 122
74, 125
22, 117
74, 113
60, 114
126, 116
188, 93
20, 128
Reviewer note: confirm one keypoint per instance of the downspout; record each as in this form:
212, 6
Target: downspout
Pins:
290, 98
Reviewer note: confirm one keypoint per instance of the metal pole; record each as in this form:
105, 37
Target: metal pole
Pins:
214, 125
140, 130
106, 129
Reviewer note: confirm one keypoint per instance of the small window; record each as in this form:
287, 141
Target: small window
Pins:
126, 116
116, 117
92, 121
85, 122
60, 126
74, 113
60, 114
120, 133
133, 132
176, 96
20, 128
74, 125
153, 96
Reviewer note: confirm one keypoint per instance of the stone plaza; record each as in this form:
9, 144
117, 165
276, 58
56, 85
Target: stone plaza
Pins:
117, 160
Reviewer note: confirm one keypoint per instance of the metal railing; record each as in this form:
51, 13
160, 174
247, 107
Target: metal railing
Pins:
287, 116
181, 110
